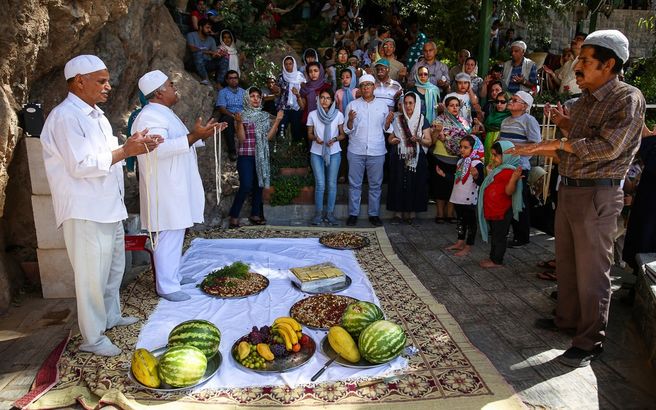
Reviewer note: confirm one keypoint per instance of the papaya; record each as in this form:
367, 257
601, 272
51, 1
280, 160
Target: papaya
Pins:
342, 343
144, 368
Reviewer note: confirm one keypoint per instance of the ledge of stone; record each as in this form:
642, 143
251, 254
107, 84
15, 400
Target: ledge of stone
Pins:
644, 310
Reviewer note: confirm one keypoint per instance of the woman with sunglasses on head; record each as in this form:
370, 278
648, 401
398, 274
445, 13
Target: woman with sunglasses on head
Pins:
493, 120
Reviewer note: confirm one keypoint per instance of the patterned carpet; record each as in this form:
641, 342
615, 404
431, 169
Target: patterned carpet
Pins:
448, 372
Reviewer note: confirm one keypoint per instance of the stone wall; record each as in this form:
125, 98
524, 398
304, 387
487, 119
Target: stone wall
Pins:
38, 37
641, 41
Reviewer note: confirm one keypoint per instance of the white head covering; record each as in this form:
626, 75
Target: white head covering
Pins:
294, 78
611, 39
463, 77
151, 81
526, 97
518, 43
409, 153
233, 54
83, 64
367, 78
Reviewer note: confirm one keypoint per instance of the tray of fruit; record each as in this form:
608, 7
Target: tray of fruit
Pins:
278, 348
344, 240
190, 359
320, 311
234, 281
364, 339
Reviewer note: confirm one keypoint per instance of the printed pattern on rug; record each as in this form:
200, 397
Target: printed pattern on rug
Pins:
440, 370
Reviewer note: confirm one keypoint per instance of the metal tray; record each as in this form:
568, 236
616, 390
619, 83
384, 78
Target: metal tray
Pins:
365, 243
362, 364
241, 297
281, 364
213, 364
315, 327
337, 287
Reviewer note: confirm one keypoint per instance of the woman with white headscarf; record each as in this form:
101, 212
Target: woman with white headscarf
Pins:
290, 100
228, 45
408, 171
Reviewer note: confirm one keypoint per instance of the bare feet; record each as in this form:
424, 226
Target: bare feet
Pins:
458, 246
486, 263
464, 251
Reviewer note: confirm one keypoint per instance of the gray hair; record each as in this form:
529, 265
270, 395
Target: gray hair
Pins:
155, 91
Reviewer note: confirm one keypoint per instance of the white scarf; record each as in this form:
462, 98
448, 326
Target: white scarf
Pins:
233, 54
293, 79
415, 123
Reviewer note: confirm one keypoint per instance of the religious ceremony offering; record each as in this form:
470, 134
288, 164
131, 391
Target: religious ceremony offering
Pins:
321, 311
344, 240
233, 282
190, 359
274, 349
321, 278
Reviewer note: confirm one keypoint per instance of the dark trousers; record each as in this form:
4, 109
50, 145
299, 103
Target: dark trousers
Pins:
218, 66
522, 227
293, 119
466, 222
229, 133
499, 237
586, 219
247, 184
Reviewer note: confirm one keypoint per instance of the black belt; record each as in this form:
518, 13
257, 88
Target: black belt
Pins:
590, 182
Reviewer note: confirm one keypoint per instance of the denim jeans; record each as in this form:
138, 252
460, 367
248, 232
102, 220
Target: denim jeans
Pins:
215, 65
247, 183
323, 179
374, 167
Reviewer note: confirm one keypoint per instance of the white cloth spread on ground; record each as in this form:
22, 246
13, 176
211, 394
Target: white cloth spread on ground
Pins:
235, 317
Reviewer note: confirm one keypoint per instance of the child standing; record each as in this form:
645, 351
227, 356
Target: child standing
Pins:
499, 201
464, 196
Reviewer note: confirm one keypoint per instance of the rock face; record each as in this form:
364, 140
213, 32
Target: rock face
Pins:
131, 37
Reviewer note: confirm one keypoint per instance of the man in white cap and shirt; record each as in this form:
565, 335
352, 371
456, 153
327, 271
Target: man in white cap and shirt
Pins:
604, 127
519, 73
83, 162
170, 188
368, 119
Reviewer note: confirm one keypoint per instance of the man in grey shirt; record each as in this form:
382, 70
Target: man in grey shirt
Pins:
207, 58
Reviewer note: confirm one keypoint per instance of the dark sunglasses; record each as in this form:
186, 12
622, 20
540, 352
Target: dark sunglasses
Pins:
500, 102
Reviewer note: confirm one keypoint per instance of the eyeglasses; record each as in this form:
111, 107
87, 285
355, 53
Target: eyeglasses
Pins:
422, 74
500, 102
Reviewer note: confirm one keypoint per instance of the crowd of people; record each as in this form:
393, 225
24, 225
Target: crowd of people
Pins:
437, 132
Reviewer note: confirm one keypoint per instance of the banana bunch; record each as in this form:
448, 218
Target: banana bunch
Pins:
289, 330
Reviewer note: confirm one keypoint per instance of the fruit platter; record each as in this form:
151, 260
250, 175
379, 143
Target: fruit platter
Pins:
190, 359
364, 339
233, 282
320, 311
344, 240
278, 348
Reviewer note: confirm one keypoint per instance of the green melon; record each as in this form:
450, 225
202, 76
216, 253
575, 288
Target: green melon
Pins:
359, 315
198, 333
182, 366
381, 341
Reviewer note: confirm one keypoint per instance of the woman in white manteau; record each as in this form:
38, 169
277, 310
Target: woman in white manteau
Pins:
171, 192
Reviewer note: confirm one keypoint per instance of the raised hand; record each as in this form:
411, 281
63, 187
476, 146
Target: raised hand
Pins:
140, 143
280, 115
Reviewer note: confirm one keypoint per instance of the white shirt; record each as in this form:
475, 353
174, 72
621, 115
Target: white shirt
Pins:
77, 151
313, 121
177, 199
465, 193
367, 135
387, 91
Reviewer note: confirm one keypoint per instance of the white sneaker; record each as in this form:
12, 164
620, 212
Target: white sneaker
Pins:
106, 349
178, 296
125, 321
205, 82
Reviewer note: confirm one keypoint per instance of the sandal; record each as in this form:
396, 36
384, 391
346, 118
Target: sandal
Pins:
396, 220
439, 220
451, 220
547, 275
551, 264
257, 221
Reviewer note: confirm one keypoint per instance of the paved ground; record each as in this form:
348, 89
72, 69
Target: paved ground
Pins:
495, 308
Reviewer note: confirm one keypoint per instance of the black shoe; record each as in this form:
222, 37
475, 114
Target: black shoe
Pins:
375, 221
352, 220
575, 357
232, 156
546, 324
516, 244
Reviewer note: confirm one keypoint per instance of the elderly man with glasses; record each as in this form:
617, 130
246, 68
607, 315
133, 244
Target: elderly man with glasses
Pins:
519, 73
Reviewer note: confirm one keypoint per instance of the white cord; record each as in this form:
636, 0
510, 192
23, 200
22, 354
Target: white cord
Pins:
147, 175
217, 167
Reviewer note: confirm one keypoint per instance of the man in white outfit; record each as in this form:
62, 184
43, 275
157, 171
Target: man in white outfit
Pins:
170, 189
83, 164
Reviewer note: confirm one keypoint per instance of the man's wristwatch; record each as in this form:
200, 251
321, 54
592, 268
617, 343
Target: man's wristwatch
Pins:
562, 143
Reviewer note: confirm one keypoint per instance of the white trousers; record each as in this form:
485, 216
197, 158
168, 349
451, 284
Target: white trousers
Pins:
168, 252
97, 253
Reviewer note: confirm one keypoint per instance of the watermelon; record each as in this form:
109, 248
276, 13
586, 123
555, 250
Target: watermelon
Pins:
359, 315
198, 333
381, 341
182, 366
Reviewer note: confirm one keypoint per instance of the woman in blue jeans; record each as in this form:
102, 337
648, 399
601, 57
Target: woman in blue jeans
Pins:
254, 129
325, 130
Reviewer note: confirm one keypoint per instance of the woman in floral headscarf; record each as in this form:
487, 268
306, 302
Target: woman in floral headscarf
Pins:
254, 129
407, 185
